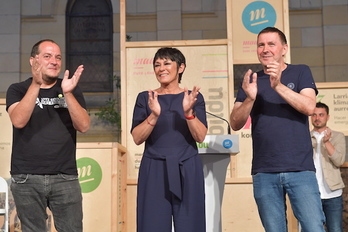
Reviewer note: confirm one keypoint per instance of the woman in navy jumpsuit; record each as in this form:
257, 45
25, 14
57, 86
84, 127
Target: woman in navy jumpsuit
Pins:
170, 120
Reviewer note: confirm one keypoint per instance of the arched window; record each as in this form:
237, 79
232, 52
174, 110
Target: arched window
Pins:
89, 42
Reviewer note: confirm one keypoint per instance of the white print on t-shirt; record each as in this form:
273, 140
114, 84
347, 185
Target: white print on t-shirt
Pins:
56, 102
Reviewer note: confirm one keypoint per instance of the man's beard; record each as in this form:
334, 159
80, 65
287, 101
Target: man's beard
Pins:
50, 79
319, 126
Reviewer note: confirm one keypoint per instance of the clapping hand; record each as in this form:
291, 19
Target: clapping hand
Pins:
190, 99
69, 84
153, 103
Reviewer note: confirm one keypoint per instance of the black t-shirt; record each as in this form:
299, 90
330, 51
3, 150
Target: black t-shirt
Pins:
47, 144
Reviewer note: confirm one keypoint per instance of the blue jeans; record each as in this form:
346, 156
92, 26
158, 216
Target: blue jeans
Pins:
302, 189
333, 210
60, 193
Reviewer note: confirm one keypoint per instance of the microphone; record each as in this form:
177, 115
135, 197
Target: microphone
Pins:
228, 124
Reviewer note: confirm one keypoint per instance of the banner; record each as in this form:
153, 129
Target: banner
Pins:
337, 100
248, 19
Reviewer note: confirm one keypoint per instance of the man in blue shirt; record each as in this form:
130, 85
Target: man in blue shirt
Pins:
279, 100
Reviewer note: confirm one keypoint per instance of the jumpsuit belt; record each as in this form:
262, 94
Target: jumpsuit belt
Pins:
174, 172
174, 176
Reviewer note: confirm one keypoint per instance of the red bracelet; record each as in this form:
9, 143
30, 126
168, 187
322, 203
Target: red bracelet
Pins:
190, 117
147, 120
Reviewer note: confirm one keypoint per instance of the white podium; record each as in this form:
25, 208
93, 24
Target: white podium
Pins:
215, 154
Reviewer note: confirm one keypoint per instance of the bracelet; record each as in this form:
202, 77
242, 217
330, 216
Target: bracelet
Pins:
147, 120
190, 117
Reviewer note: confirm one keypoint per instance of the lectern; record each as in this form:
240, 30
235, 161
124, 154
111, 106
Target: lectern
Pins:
215, 153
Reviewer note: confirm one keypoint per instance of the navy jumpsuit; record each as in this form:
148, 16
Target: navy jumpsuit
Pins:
171, 179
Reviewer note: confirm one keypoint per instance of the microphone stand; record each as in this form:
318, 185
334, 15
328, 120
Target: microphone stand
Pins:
228, 124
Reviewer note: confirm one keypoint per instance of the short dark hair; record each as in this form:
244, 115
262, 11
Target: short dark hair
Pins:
173, 54
322, 105
35, 50
276, 30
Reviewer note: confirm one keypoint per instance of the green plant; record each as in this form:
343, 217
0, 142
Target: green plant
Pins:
109, 114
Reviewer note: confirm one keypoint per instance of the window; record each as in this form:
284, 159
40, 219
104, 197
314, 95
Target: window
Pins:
89, 42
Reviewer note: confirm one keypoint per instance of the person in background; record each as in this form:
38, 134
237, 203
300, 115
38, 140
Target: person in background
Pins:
46, 112
279, 100
329, 154
170, 120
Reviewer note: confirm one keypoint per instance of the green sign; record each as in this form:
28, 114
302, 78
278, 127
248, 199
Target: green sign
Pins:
90, 174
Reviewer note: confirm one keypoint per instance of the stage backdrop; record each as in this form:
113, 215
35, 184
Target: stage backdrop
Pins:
210, 65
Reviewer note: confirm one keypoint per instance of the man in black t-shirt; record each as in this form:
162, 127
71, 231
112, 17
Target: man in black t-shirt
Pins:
46, 112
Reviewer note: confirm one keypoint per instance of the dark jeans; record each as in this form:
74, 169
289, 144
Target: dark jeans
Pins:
60, 193
333, 210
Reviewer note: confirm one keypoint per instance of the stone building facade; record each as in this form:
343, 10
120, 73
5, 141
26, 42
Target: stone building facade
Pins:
318, 30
